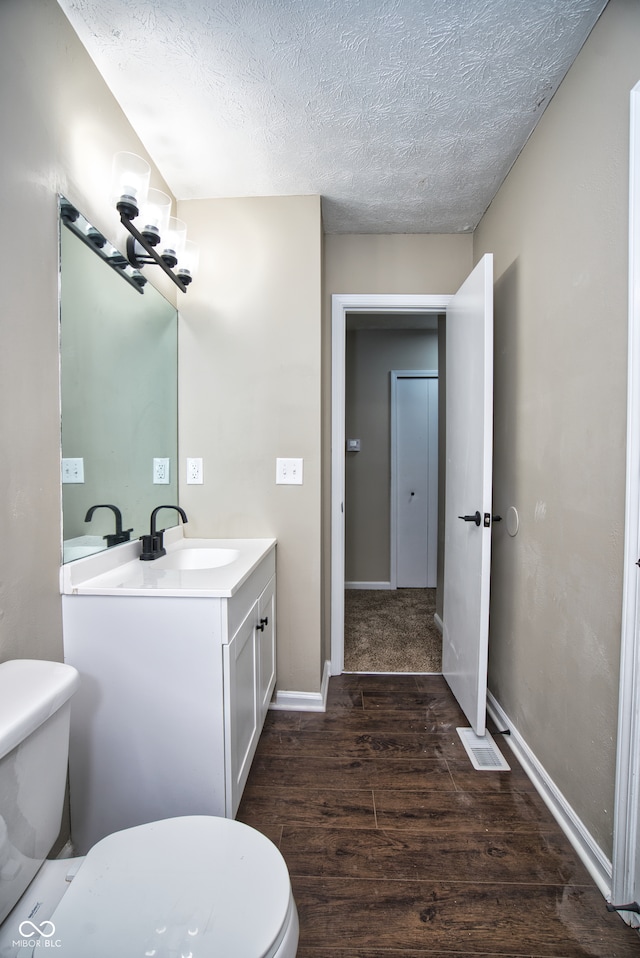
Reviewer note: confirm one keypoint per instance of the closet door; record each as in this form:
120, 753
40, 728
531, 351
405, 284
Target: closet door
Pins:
415, 478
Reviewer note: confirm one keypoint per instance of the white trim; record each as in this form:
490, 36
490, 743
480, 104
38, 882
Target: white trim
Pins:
304, 701
368, 585
627, 794
397, 374
592, 856
341, 304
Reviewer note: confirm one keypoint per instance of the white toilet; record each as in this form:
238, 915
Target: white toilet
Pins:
192, 887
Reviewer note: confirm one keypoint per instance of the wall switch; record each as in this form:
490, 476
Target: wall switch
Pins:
161, 472
73, 470
195, 476
289, 472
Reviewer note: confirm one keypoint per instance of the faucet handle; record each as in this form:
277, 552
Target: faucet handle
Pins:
152, 547
114, 538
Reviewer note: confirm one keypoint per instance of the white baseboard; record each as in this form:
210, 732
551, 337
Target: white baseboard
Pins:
438, 623
367, 585
304, 701
591, 855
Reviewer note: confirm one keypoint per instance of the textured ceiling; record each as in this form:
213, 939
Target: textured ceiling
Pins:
405, 115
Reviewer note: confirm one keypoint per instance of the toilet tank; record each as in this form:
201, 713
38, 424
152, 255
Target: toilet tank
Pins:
34, 747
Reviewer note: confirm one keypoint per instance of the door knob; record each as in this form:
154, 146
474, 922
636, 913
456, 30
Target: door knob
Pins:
476, 517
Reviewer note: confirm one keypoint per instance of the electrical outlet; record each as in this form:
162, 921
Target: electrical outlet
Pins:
195, 476
73, 470
289, 472
161, 472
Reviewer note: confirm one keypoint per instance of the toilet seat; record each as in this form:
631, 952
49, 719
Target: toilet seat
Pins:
199, 886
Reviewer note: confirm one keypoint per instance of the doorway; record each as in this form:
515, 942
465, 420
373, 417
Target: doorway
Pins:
397, 310
391, 485
468, 472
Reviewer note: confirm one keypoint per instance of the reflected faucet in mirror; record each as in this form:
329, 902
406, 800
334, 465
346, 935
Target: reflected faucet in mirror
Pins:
153, 544
113, 538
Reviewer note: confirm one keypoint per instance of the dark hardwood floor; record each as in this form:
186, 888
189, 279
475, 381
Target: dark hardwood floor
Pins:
398, 847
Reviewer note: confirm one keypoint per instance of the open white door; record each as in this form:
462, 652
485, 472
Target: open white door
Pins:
469, 449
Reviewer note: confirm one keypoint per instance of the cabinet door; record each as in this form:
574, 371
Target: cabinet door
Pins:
242, 727
266, 635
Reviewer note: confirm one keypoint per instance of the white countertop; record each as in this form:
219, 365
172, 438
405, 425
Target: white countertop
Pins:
119, 571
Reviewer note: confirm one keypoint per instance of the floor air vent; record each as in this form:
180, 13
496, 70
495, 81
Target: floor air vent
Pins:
484, 753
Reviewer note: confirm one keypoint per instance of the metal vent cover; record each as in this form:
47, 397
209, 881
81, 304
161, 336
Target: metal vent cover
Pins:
482, 750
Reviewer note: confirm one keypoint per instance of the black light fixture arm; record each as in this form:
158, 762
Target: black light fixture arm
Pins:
151, 255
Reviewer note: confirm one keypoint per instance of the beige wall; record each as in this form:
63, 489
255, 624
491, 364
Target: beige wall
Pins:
60, 129
558, 230
395, 263
370, 357
249, 360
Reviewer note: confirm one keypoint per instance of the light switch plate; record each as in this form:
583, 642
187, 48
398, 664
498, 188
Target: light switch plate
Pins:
73, 470
289, 472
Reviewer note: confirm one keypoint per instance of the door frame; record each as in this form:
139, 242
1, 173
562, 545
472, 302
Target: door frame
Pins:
341, 305
625, 877
397, 374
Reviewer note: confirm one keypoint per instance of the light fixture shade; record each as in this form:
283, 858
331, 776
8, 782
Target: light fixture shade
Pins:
129, 183
173, 241
189, 261
154, 218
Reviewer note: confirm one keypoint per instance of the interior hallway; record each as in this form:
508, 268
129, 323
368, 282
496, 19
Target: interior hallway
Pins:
397, 848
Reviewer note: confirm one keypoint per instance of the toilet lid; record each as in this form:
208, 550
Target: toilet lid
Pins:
196, 886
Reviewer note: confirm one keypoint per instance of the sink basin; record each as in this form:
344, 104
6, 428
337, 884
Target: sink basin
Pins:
194, 558
216, 568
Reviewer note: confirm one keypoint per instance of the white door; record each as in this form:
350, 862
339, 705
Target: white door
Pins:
415, 478
469, 436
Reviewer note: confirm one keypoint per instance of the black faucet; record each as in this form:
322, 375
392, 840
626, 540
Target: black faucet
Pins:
153, 544
120, 535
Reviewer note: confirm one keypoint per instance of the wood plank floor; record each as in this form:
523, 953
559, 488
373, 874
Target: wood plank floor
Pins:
398, 848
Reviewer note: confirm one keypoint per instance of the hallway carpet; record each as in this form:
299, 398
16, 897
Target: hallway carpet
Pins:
397, 848
391, 630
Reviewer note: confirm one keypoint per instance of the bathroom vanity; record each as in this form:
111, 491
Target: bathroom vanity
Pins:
177, 665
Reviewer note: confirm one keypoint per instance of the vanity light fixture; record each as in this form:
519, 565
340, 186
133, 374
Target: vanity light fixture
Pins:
158, 239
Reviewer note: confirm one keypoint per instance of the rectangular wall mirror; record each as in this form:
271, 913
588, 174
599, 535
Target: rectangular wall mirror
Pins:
118, 367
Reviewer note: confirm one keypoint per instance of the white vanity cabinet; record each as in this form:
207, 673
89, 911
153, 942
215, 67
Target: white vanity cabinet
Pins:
175, 686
